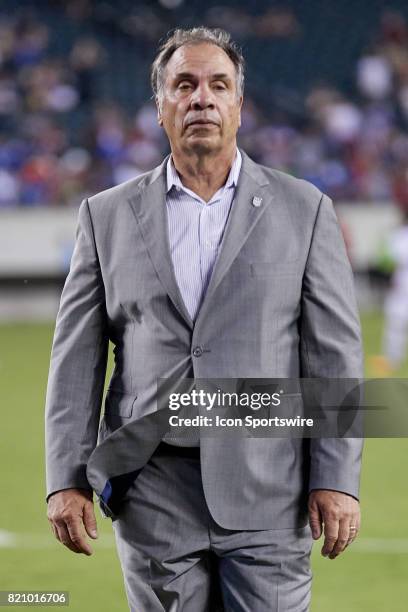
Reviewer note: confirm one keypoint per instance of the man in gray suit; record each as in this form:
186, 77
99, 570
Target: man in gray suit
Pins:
210, 266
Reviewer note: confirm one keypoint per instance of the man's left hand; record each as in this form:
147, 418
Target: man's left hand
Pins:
339, 513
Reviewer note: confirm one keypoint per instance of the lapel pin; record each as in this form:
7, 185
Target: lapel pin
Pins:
256, 201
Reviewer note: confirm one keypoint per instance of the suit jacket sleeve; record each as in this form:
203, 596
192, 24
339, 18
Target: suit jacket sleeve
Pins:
78, 366
331, 344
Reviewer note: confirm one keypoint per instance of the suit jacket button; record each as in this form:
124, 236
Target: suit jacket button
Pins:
198, 351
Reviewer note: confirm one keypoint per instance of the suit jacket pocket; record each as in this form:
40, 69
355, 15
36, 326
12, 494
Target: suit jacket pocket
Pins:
119, 403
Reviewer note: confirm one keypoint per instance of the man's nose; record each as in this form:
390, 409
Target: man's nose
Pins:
202, 97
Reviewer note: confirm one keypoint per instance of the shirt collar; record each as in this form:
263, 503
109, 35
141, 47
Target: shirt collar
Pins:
173, 178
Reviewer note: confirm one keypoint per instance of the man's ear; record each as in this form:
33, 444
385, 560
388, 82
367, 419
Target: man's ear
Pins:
159, 116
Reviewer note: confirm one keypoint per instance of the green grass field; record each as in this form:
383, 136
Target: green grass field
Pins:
370, 577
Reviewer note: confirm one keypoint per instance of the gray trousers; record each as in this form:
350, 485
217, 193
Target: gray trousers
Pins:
175, 558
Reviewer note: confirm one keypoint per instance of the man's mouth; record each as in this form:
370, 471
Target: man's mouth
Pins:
203, 122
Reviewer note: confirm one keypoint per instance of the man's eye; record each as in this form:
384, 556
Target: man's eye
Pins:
184, 85
219, 86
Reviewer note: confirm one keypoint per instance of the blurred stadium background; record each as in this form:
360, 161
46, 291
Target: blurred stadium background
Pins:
326, 100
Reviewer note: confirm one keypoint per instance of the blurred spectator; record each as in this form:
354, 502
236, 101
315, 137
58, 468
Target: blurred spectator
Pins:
86, 57
278, 22
48, 86
9, 188
30, 42
374, 76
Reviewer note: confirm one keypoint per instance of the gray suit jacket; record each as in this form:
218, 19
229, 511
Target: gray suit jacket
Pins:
280, 304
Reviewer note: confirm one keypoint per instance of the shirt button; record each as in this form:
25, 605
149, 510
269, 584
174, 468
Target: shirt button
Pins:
198, 351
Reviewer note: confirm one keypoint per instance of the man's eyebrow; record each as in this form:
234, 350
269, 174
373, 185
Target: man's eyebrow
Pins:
219, 76
183, 75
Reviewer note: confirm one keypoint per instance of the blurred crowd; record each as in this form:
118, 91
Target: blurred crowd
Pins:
60, 141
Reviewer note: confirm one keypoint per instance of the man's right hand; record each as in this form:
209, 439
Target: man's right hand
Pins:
72, 516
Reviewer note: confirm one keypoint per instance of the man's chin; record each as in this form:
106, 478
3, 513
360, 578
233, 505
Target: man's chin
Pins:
202, 146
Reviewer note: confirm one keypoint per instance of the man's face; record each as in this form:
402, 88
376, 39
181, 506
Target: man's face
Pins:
200, 110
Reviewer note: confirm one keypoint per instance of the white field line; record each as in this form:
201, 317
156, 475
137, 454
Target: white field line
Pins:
8, 539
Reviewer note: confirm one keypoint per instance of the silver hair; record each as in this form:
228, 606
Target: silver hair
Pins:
194, 36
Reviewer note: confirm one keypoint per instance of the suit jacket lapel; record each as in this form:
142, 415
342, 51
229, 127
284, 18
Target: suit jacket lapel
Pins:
242, 219
149, 207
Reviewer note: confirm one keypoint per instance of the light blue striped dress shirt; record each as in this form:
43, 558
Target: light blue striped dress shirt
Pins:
195, 231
